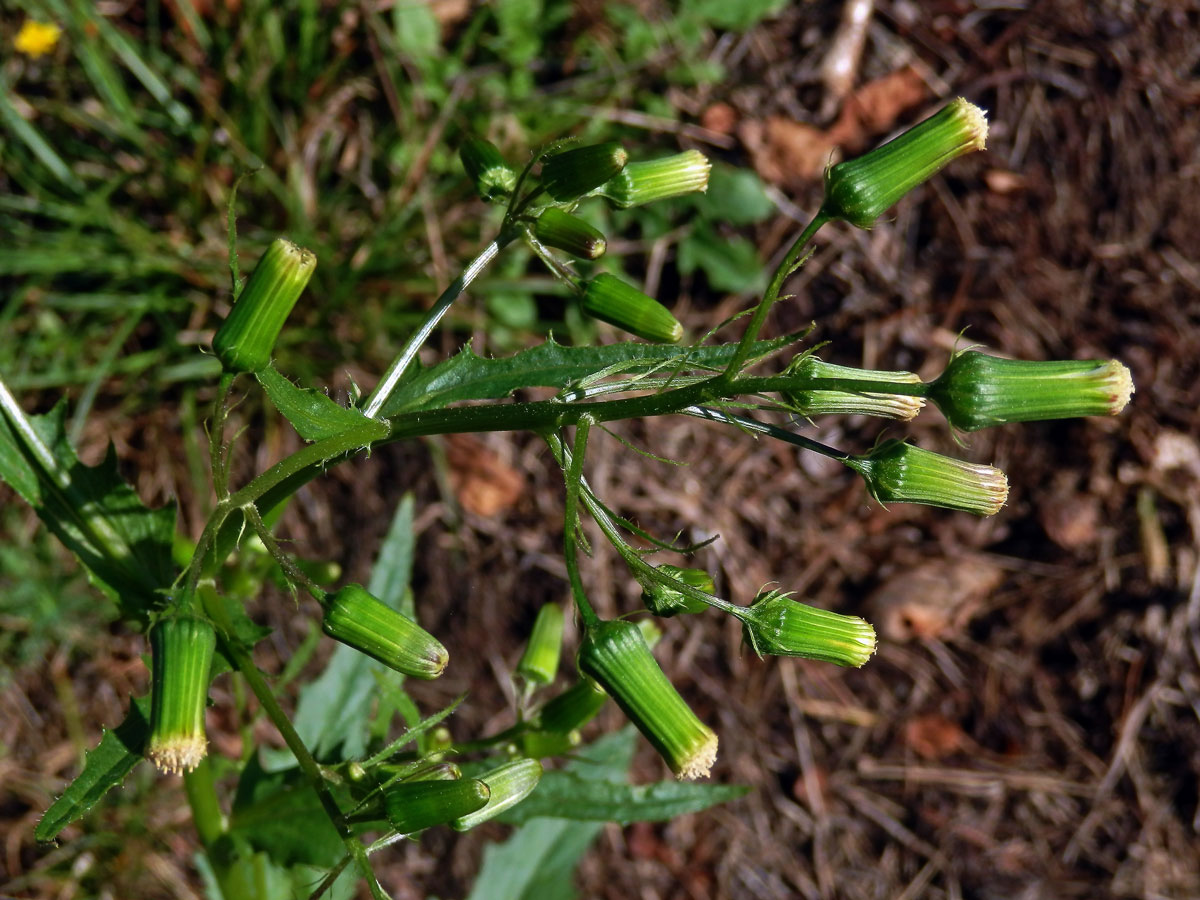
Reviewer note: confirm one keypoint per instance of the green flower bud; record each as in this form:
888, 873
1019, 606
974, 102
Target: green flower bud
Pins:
182, 651
611, 300
246, 338
616, 655
413, 806
666, 601
657, 179
779, 626
977, 390
900, 472
573, 708
539, 662
543, 744
811, 402
509, 784
561, 230
570, 174
494, 179
435, 771
861, 190
370, 626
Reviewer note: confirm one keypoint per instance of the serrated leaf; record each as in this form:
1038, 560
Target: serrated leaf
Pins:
124, 545
312, 413
333, 709
466, 376
104, 768
567, 796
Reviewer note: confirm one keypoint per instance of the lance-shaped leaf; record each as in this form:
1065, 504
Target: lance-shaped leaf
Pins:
466, 376
104, 767
313, 414
125, 546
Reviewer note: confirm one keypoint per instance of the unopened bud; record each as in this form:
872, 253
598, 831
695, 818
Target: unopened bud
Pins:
246, 338
902, 473
182, 651
570, 174
821, 401
861, 190
977, 390
563, 231
413, 806
493, 178
509, 785
657, 179
573, 708
666, 601
539, 662
780, 626
616, 655
370, 626
611, 300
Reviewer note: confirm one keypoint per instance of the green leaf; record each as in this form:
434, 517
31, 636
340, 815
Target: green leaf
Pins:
125, 546
567, 796
729, 264
314, 415
735, 196
536, 863
466, 376
333, 709
279, 813
104, 767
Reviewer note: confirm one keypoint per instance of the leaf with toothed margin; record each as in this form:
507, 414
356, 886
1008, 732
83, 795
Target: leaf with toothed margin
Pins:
104, 768
466, 376
312, 414
124, 545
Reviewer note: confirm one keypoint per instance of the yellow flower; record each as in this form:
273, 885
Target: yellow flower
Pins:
36, 38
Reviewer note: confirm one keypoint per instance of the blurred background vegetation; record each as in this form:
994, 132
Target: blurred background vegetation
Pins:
1028, 728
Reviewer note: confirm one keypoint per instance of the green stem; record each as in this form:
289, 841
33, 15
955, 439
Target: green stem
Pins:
201, 792
632, 558
574, 475
794, 258
748, 424
293, 573
218, 454
262, 691
391, 378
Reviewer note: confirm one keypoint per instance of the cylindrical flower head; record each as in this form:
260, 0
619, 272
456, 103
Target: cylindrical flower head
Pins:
492, 176
778, 625
666, 601
842, 402
246, 338
658, 179
182, 651
616, 655
900, 472
370, 626
563, 231
573, 708
509, 784
435, 771
977, 390
572, 173
539, 662
413, 806
861, 190
611, 300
